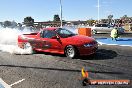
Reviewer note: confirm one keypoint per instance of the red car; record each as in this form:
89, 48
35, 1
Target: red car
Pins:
58, 40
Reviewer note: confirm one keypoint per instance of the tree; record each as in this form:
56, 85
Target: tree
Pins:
90, 22
13, 24
104, 20
56, 18
28, 21
110, 19
7, 23
19, 24
125, 18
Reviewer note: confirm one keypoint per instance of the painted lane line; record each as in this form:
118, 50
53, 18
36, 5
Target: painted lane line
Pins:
4, 84
16, 82
101, 43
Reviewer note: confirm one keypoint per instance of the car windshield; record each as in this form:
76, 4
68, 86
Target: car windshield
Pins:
64, 33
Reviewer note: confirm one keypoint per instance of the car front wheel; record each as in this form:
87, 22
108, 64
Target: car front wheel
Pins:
71, 51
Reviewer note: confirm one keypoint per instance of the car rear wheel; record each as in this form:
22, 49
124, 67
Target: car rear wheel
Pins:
71, 51
27, 46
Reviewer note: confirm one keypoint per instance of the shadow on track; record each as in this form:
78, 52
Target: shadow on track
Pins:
59, 69
52, 54
101, 54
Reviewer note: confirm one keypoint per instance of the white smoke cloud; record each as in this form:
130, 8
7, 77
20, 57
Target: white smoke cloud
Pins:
74, 29
8, 41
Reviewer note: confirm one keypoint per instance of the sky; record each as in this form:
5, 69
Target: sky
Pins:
44, 10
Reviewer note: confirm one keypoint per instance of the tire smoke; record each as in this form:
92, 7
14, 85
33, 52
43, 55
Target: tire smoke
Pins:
8, 40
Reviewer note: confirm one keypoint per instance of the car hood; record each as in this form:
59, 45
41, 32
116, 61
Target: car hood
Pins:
79, 39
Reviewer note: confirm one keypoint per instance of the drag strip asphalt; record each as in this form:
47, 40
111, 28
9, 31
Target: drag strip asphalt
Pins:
45, 70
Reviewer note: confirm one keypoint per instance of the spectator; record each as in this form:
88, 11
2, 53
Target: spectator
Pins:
114, 33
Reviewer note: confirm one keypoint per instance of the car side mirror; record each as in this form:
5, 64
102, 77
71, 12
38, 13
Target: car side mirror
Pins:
58, 37
55, 37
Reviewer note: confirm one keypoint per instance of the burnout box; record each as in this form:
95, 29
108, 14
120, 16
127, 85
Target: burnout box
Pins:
84, 31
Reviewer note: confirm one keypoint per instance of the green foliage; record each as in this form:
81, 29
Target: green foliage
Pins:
56, 17
110, 18
91, 22
28, 21
7, 23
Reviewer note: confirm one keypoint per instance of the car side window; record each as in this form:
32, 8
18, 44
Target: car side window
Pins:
98, 25
101, 25
48, 34
104, 25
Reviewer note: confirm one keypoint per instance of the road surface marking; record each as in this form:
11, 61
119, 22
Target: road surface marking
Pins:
119, 42
5, 85
16, 82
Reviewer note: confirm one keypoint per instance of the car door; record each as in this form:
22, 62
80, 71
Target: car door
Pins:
104, 28
50, 42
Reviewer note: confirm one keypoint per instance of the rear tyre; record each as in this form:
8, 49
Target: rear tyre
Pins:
27, 46
71, 51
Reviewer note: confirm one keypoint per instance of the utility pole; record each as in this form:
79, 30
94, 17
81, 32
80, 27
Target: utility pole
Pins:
61, 13
98, 10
